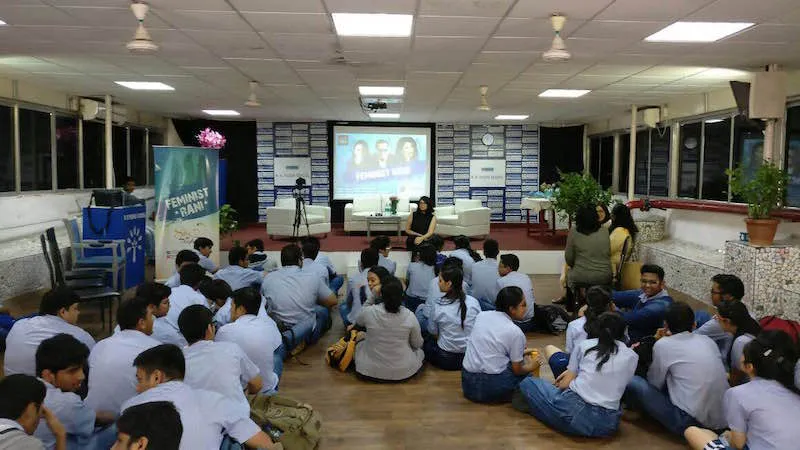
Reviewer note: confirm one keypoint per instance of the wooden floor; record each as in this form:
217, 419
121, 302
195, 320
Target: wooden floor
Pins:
428, 412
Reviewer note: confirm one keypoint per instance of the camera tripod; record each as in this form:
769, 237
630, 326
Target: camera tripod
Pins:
300, 214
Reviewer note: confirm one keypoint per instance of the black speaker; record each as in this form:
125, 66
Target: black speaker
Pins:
741, 93
107, 197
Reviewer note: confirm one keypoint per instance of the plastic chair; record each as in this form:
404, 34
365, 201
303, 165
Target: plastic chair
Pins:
113, 262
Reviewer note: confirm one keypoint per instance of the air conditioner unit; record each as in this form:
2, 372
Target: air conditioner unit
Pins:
94, 110
651, 117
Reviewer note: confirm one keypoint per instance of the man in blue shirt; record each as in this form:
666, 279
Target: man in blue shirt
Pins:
237, 275
645, 308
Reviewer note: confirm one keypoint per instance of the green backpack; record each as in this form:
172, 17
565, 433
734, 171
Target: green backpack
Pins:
298, 425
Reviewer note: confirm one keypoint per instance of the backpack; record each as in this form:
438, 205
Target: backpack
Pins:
644, 349
789, 327
550, 318
340, 354
295, 425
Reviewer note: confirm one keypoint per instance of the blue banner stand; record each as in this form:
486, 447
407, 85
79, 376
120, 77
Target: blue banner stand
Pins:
122, 223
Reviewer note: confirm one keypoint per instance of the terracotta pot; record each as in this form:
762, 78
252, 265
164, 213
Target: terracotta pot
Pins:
762, 231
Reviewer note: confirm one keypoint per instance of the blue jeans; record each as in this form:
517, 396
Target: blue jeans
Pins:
336, 283
102, 439
566, 411
277, 361
528, 326
486, 304
413, 302
344, 311
441, 358
422, 316
701, 317
309, 331
641, 395
558, 363
489, 388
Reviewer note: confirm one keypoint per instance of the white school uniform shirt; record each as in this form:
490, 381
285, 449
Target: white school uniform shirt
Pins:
204, 414
468, 262
181, 297
205, 262
165, 333
174, 280
575, 334
387, 263
223, 315
690, 367
603, 388
418, 277
221, 367
239, 277
311, 266
292, 294
77, 418
484, 279
258, 338
356, 286
112, 379
325, 260
523, 282
445, 322
737, 350
26, 335
495, 342
20, 440
766, 412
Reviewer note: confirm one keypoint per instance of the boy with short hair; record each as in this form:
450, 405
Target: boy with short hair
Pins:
157, 296
183, 258
645, 307
58, 314
149, 426
21, 407
725, 288
508, 268
384, 246
485, 274
60, 363
186, 294
257, 258
237, 275
336, 281
310, 247
203, 247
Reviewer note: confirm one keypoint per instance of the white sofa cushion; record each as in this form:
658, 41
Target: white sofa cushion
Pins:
466, 203
368, 204
285, 202
447, 220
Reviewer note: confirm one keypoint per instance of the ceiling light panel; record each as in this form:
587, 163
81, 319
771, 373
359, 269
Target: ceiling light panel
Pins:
221, 112
145, 85
393, 91
564, 93
697, 31
384, 115
511, 117
373, 25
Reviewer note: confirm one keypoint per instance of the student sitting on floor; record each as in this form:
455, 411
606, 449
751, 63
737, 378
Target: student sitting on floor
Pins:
186, 294
299, 300
310, 247
734, 318
585, 400
384, 246
221, 367
335, 281
725, 288
438, 243
690, 368
218, 293
256, 335
60, 363
257, 258
423, 311
58, 314
204, 414
493, 363
392, 348
419, 276
153, 425
485, 275
113, 378
157, 296
203, 247
21, 399
183, 258
376, 276
509, 276
598, 301
451, 322
467, 255
358, 287
762, 413
645, 307
237, 275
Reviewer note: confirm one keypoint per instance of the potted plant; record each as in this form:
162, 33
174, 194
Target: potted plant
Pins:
576, 190
763, 190
393, 204
228, 220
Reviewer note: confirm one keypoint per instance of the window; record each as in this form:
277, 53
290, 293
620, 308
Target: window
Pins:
156, 138
642, 162
792, 163
624, 161
138, 156
716, 159
93, 155
594, 157
689, 166
35, 150
658, 184
67, 152
119, 143
748, 146
6, 150
606, 161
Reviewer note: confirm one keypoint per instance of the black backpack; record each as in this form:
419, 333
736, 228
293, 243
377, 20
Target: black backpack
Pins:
550, 318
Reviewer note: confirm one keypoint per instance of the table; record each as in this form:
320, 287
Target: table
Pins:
541, 206
395, 220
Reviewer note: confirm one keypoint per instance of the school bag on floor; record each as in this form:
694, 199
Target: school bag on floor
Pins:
295, 425
551, 319
789, 327
340, 354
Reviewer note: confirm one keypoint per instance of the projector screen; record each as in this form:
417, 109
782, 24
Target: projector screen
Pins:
381, 160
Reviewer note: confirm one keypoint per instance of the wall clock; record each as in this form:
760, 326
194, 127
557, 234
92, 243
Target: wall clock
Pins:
487, 139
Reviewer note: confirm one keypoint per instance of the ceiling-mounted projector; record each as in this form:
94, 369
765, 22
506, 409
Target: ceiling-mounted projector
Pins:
558, 51
141, 43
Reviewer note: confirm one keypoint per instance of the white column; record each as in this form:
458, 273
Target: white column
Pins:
615, 168
674, 159
632, 159
109, 146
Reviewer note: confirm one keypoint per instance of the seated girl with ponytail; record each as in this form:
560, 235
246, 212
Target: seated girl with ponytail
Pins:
494, 363
585, 400
598, 301
761, 413
451, 322
734, 319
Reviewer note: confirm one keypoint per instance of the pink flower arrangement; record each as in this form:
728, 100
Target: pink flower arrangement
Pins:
209, 138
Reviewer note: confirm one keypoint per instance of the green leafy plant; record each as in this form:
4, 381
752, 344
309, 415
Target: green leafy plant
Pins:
576, 190
228, 220
763, 190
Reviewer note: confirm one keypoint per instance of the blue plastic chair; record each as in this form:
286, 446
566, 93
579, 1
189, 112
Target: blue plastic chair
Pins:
112, 259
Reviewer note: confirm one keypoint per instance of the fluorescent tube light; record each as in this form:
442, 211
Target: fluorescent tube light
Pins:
564, 93
221, 112
2, 22
145, 85
373, 25
697, 31
511, 117
714, 120
384, 115
382, 90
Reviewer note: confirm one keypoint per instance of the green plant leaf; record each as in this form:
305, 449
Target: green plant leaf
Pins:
228, 220
763, 192
576, 190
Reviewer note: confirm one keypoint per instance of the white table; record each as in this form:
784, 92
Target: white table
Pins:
395, 220
540, 206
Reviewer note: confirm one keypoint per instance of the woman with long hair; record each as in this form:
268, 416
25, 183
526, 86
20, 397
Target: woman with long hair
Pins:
467, 255
585, 400
734, 319
762, 413
622, 228
419, 276
392, 348
421, 224
360, 160
451, 322
588, 252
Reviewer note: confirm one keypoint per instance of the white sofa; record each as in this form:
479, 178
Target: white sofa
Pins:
280, 219
467, 217
356, 213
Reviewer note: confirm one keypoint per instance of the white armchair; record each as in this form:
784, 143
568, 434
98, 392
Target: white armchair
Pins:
356, 213
280, 219
467, 217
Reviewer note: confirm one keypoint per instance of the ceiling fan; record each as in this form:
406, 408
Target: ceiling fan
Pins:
484, 106
141, 43
558, 51
252, 100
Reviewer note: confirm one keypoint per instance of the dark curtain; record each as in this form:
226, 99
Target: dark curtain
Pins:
240, 151
560, 149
